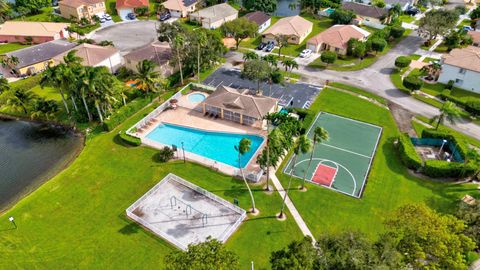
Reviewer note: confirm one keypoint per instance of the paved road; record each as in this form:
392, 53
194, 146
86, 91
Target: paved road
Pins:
376, 78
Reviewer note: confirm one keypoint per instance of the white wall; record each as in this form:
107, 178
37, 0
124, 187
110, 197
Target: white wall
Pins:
264, 26
470, 79
114, 62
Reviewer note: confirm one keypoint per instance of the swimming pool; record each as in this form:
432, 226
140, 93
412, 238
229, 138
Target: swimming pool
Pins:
196, 97
217, 146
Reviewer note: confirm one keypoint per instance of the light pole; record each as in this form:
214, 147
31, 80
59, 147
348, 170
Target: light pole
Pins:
183, 150
12, 220
441, 147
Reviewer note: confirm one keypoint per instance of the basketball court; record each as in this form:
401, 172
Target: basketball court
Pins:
343, 162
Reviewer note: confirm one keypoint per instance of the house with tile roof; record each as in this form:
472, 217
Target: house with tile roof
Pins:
336, 38
262, 19
295, 27
39, 32
214, 16
158, 52
475, 35
367, 14
35, 59
95, 56
124, 7
80, 9
239, 106
462, 66
180, 8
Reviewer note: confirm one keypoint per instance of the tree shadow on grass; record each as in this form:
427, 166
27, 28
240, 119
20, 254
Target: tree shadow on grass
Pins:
129, 229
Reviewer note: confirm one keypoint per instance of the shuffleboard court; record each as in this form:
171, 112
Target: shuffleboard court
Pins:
343, 162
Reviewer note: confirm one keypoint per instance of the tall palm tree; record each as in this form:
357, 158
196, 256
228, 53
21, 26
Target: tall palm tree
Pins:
19, 100
268, 117
54, 76
242, 148
289, 65
179, 45
302, 145
4, 86
271, 59
42, 107
146, 75
250, 56
449, 111
71, 58
319, 135
201, 40
4, 8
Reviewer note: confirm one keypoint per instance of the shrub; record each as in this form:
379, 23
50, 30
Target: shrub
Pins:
473, 106
341, 16
125, 112
130, 140
328, 57
378, 45
302, 113
408, 154
164, 155
460, 144
397, 31
441, 168
402, 62
412, 83
450, 85
445, 94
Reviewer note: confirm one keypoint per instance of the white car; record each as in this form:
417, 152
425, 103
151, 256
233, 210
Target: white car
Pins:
305, 53
107, 17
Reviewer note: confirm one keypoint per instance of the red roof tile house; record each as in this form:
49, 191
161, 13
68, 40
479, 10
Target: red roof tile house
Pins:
124, 7
336, 38
39, 32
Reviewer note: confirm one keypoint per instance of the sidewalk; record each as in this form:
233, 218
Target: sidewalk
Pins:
293, 211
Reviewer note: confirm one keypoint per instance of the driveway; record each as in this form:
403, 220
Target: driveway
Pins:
128, 36
376, 79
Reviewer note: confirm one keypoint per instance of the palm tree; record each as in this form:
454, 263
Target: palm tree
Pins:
19, 100
268, 117
54, 76
250, 56
201, 40
319, 135
4, 8
271, 59
289, 65
179, 44
146, 76
71, 58
302, 145
449, 111
10, 62
4, 86
47, 108
242, 148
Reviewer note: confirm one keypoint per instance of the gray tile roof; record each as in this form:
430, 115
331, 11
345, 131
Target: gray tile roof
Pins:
40, 53
366, 10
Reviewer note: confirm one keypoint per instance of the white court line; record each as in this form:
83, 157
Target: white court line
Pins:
345, 150
353, 120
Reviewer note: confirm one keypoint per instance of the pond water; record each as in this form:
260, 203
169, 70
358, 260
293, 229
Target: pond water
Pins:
284, 8
31, 153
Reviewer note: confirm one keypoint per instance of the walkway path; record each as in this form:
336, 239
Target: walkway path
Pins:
475, 265
293, 211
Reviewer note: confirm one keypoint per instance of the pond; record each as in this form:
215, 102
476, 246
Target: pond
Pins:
284, 8
31, 153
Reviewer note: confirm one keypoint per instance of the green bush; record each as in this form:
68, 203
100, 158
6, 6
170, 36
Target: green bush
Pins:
473, 106
408, 154
441, 168
412, 83
130, 140
302, 113
460, 144
164, 155
125, 112
447, 95
402, 62
397, 31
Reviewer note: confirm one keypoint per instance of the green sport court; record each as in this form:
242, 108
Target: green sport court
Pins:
343, 162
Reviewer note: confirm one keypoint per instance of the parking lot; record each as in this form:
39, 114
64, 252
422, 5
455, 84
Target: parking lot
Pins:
299, 95
129, 35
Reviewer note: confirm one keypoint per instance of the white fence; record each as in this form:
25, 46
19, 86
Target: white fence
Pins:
155, 113
172, 177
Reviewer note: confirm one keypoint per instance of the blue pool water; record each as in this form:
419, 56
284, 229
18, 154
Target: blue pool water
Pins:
329, 11
217, 146
196, 97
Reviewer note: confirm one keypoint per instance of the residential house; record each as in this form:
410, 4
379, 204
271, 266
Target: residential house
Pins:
37, 58
475, 35
462, 66
239, 106
214, 16
124, 7
295, 27
368, 15
261, 19
180, 8
404, 4
95, 56
158, 52
80, 9
38, 32
336, 38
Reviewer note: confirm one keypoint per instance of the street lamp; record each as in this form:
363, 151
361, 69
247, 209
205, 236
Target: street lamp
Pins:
12, 220
183, 150
441, 147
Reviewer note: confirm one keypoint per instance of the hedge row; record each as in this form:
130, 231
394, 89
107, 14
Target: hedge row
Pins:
441, 168
408, 154
125, 112
130, 139
461, 145
471, 105
446, 95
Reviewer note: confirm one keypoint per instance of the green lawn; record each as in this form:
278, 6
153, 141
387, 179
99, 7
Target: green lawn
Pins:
358, 91
44, 16
388, 187
407, 18
77, 219
10, 47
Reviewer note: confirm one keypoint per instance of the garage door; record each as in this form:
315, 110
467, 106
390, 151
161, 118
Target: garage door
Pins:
124, 12
312, 47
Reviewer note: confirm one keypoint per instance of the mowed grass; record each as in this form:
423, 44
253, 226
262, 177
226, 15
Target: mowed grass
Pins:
77, 219
388, 186
10, 47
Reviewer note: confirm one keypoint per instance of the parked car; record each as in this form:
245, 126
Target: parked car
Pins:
261, 46
305, 53
269, 47
468, 28
102, 20
131, 16
164, 17
412, 11
107, 17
